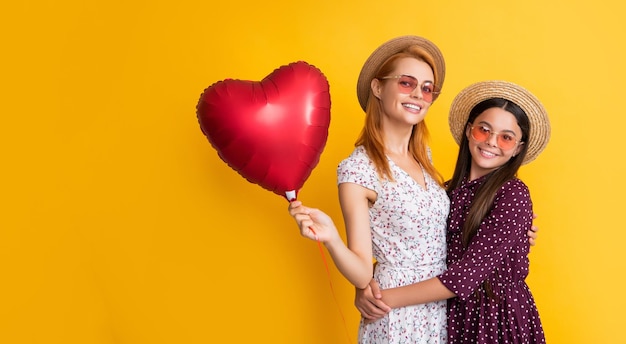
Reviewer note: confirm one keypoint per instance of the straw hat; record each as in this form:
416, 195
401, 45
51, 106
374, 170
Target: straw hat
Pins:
391, 47
469, 97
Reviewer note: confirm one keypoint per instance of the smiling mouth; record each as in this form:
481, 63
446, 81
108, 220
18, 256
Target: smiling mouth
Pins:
487, 154
412, 106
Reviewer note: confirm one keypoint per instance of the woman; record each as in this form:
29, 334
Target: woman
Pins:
394, 206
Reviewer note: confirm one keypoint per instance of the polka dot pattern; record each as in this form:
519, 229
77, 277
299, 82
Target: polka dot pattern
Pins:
498, 254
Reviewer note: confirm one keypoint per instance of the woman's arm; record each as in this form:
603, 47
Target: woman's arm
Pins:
354, 261
356, 264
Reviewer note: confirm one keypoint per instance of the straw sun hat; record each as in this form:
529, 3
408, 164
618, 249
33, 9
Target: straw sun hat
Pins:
391, 47
476, 93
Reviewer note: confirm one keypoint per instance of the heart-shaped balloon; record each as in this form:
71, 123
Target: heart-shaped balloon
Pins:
273, 131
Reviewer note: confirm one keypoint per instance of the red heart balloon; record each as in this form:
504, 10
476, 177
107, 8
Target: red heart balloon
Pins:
271, 132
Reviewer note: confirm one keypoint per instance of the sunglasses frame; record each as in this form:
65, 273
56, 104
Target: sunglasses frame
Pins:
433, 95
491, 132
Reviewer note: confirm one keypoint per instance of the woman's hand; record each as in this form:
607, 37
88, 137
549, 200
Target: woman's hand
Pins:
314, 223
532, 233
368, 302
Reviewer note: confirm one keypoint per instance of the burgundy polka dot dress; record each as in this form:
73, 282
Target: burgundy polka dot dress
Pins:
498, 254
408, 226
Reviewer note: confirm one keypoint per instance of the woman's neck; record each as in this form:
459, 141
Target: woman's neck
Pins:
397, 141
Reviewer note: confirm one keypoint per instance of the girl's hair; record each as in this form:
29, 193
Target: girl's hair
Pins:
483, 200
371, 136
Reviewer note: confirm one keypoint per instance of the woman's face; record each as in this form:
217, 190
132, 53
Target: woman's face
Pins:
493, 138
398, 106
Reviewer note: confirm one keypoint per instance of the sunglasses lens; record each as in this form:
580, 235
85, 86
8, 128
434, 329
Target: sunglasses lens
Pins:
428, 91
482, 134
406, 84
506, 141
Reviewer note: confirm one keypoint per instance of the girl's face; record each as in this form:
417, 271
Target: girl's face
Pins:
493, 139
398, 106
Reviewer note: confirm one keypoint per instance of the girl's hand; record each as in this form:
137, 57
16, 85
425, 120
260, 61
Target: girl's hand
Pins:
368, 302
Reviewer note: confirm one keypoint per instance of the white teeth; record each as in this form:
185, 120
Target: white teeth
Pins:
412, 106
488, 154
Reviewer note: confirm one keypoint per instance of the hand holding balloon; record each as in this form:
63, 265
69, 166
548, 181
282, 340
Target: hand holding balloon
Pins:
314, 223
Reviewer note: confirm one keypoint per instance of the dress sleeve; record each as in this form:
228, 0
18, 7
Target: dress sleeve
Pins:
358, 169
503, 230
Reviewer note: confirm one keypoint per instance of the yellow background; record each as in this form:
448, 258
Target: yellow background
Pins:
120, 224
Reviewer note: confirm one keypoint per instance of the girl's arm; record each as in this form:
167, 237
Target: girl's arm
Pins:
354, 261
370, 304
503, 229
429, 290
501, 243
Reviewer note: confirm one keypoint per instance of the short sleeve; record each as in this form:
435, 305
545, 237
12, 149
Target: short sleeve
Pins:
358, 169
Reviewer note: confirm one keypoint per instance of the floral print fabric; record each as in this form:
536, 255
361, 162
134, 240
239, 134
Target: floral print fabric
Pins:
408, 226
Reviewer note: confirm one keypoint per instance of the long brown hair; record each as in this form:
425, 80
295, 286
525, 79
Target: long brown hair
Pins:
485, 194
371, 136
483, 200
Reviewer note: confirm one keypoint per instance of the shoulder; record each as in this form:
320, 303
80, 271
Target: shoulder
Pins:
357, 159
514, 185
513, 192
357, 168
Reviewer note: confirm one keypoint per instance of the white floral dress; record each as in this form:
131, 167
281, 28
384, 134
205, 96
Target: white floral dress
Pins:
408, 224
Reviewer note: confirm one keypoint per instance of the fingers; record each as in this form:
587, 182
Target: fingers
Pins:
320, 217
368, 306
533, 227
300, 213
532, 233
303, 221
371, 311
375, 289
380, 308
532, 236
295, 207
306, 226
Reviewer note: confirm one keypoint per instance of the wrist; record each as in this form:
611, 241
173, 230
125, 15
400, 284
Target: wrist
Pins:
333, 242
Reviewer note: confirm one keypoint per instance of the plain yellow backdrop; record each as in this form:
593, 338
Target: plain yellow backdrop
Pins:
120, 224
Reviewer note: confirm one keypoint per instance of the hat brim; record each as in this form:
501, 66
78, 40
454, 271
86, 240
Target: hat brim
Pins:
469, 97
389, 48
